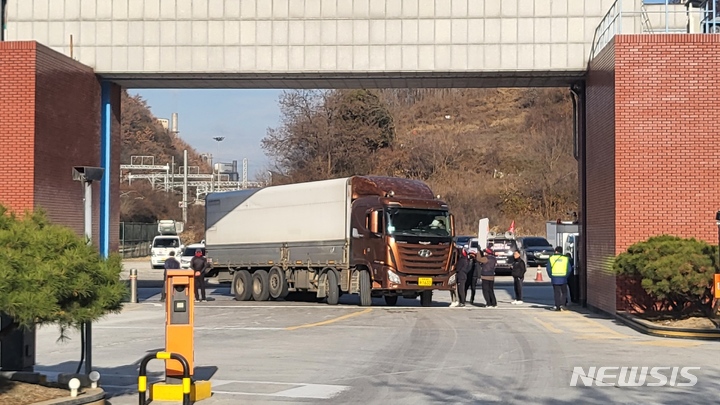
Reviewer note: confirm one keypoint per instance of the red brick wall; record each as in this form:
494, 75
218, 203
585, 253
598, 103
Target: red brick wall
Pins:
667, 136
599, 154
17, 127
49, 123
652, 150
68, 134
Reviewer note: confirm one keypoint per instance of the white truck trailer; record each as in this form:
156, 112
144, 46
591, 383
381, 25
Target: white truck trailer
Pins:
372, 236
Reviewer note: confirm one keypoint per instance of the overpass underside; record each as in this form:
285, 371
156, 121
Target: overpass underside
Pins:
375, 80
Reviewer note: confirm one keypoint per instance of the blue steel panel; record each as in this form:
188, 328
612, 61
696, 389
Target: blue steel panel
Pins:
105, 145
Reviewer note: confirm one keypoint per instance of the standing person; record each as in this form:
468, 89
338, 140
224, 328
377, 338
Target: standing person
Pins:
454, 291
473, 272
518, 273
171, 263
558, 267
199, 264
487, 277
462, 268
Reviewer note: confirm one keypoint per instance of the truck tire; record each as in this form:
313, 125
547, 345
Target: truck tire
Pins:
426, 298
260, 286
277, 283
391, 300
332, 287
365, 289
242, 284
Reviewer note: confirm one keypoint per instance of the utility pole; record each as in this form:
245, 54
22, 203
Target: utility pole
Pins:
184, 200
172, 174
245, 174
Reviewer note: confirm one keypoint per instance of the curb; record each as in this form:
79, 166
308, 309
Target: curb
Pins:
91, 396
649, 328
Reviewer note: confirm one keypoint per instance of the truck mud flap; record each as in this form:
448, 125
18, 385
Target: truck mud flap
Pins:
355, 282
345, 277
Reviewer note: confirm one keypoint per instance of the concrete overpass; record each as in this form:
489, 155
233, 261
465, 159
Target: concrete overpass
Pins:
318, 43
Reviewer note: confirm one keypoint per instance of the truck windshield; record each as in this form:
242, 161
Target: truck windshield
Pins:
417, 222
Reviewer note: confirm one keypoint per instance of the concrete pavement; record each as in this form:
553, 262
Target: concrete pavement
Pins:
307, 352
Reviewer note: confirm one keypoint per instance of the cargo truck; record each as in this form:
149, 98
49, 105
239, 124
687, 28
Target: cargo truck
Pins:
367, 235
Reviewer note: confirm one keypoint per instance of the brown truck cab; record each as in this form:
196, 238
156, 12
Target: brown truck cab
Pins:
403, 235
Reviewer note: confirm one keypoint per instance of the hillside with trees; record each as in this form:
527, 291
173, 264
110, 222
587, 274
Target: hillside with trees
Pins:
505, 154
143, 135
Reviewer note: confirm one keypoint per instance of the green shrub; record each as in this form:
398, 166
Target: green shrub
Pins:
678, 272
49, 275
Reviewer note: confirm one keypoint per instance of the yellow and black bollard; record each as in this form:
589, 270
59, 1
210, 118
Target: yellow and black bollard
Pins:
142, 375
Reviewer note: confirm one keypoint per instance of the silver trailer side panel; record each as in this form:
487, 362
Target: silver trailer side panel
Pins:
304, 222
313, 254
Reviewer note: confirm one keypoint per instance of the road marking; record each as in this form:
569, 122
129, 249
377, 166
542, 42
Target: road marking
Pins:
329, 321
293, 390
548, 326
669, 343
385, 308
306, 391
195, 328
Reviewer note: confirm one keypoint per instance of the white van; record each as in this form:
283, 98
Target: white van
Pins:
161, 247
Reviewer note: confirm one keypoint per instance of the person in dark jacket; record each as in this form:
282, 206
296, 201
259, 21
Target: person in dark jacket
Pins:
462, 268
487, 276
170, 264
518, 273
472, 277
199, 264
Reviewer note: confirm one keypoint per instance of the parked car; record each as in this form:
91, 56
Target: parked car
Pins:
474, 245
503, 247
535, 250
188, 254
461, 241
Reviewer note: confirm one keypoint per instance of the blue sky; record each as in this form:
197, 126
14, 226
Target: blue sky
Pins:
241, 116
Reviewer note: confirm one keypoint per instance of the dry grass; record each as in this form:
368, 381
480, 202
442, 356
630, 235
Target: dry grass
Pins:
20, 393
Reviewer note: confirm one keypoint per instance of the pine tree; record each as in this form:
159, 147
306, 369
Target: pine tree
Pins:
49, 275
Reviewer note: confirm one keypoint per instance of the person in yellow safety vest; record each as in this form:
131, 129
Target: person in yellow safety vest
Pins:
558, 267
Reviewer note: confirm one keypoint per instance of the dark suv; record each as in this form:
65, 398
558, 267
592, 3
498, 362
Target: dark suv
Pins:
503, 249
534, 250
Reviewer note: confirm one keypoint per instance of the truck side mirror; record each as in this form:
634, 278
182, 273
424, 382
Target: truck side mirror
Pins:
375, 221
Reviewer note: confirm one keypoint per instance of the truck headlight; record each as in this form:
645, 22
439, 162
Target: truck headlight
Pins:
394, 278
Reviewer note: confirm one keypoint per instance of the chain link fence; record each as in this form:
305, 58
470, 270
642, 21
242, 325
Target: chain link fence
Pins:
135, 238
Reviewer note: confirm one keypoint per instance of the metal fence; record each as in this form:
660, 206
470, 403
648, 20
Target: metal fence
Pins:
667, 17
135, 238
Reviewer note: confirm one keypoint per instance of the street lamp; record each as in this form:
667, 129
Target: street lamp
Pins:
218, 139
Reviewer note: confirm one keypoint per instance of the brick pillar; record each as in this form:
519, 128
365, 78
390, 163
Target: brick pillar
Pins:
652, 152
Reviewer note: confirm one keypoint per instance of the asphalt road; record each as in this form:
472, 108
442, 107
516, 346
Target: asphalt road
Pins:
307, 352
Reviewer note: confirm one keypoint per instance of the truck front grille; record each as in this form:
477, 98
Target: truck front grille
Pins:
413, 263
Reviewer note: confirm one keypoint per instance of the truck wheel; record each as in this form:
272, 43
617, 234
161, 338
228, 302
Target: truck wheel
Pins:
260, 286
277, 283
332, 288
241, 283
426, 298
391, 300
365, 289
